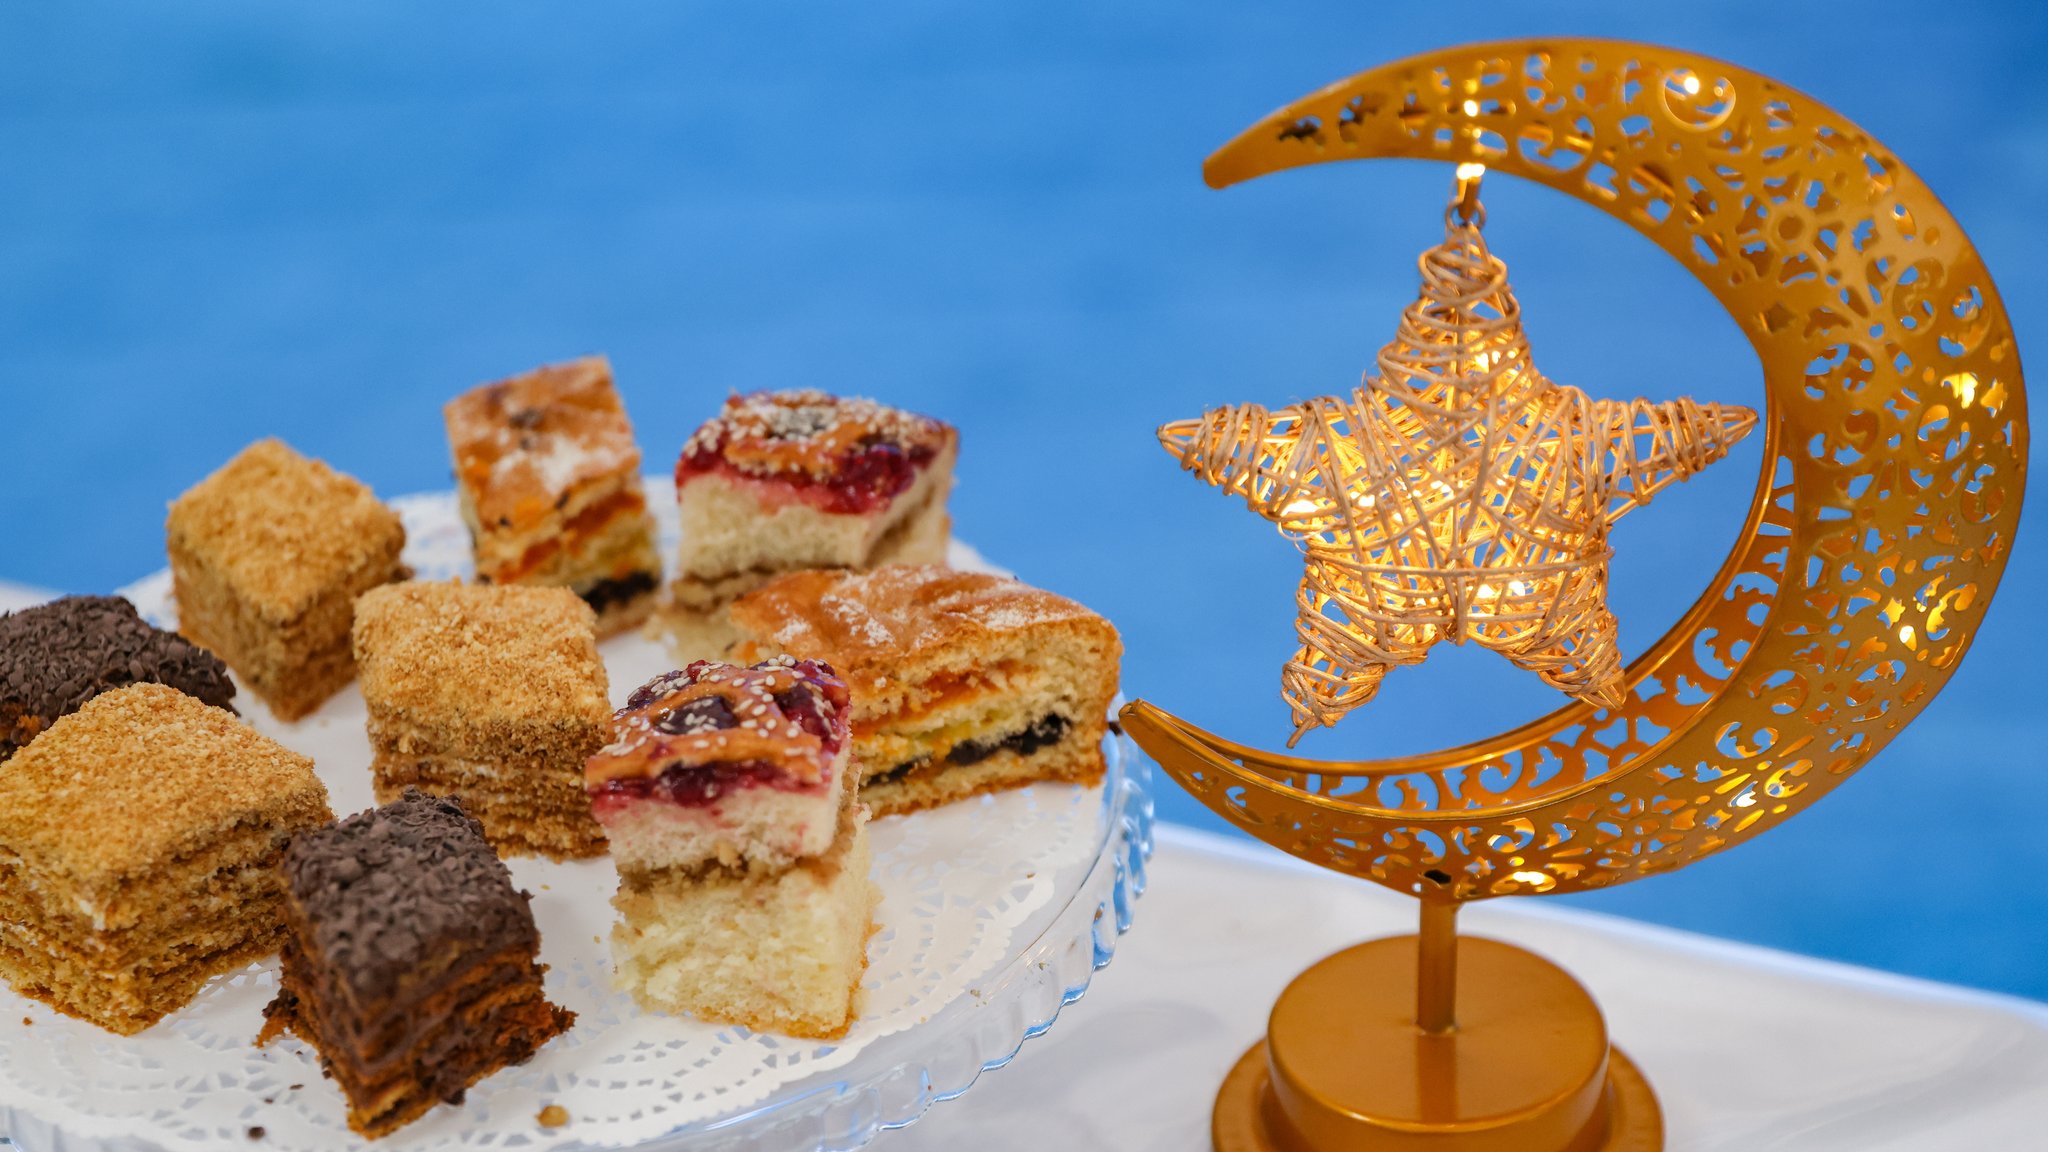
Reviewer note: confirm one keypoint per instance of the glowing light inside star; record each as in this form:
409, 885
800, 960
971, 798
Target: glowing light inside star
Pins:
1470, 170
1471, 107
1691, 84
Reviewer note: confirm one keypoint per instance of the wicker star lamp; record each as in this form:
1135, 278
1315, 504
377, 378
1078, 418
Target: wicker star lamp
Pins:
1460, 496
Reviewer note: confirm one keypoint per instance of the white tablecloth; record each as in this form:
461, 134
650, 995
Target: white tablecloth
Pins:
1748, 1049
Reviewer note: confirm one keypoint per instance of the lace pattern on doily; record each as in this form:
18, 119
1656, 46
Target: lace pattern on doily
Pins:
964, 888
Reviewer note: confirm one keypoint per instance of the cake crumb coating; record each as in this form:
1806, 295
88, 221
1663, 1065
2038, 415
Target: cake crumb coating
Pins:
284, 529
140, 777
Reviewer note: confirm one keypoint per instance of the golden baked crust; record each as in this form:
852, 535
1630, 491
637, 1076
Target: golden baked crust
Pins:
283, 531
469, 653
140, 778
874, 621
521, 444
961, 682
494, 693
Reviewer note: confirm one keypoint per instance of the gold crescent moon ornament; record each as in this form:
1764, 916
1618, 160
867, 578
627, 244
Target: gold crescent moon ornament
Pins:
1894, 463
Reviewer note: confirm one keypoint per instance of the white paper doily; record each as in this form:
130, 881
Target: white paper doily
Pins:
994, 913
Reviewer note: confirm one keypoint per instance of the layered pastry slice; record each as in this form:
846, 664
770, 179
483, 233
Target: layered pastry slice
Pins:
409, 962
962, 682
550, 483
56, 656
139, 839
781, 481
267, 558
492, 693
743, 857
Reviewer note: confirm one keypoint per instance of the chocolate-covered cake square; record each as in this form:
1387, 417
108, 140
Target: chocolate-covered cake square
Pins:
56, 656
138, 842
410, 960
267, 557
494, 693
550, 484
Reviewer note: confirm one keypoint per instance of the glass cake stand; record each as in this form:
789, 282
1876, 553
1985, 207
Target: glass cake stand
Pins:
895, 1080
996, 912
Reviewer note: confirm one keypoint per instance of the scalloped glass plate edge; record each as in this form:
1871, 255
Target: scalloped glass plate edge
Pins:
977, 1034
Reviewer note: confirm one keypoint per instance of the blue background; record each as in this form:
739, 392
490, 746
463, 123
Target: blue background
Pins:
225, 220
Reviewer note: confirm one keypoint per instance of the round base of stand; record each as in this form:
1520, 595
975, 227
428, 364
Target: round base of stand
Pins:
1527, 1068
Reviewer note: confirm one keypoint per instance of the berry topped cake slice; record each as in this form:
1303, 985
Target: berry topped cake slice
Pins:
550, 483
720, 765
743, 855
781, 481
962, 682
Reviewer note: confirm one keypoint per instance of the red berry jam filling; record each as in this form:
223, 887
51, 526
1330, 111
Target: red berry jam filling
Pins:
689, 736
696, 786
849, 457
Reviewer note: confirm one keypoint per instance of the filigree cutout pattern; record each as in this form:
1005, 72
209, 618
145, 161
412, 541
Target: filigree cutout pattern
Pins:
1895, 461
1456, 495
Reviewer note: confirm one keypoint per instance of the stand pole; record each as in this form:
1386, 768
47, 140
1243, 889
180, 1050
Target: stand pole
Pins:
1436, 968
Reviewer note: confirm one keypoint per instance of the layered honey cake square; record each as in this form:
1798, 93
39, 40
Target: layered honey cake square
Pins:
961, 682
743, 857
494, 693
56, 656
139, 838
549, 478
410, 960
267, 557
780, 481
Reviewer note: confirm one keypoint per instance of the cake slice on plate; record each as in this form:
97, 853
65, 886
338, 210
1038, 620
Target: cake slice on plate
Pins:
56, 656
139, 839
410, 961
744, 895
550, 484
494, 693
267, 558
780, 481
961, 682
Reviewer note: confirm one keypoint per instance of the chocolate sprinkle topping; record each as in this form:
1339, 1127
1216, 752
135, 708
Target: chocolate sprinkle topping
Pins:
56, 656
392, 895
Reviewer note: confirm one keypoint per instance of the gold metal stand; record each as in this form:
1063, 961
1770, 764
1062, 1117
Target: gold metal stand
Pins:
1895, 459
1499, 1051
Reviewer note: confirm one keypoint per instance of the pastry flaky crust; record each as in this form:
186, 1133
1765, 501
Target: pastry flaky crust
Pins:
549, 477
492, 693
138, 841
961, 682
267, 556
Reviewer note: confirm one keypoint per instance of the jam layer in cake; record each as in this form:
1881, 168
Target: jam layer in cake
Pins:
550, 484
723, 766
54, 657
410, 960
962, 682
782, 481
